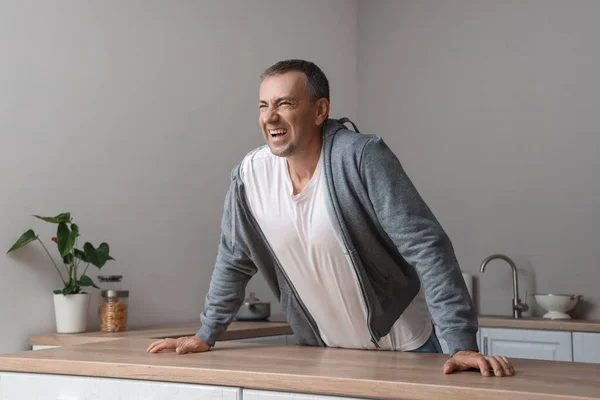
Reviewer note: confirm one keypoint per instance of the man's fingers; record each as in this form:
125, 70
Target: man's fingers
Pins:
188, 345
156, 347
498, 370
153, 346
449, 366
161, 345
505, 365
484, 366
181, 345
184, 347
501, 366
510, 366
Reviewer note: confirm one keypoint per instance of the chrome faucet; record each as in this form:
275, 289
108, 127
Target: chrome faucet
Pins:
517, 307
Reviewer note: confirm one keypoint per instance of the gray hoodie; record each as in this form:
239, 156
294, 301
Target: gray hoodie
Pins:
395, 243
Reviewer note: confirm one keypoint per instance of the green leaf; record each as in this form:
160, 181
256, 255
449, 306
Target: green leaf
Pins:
68, 259
69, 289
86, 281
64, 217
25, 238
57, 291
74, 235
66, 238
62, 237
99, 256
81, 255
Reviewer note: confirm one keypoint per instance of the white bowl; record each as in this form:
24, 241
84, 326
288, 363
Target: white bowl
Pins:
556, 305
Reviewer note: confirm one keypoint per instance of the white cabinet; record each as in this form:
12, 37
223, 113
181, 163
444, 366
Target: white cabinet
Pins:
527, 343
25, 386
271, 395
42, 347
586, 347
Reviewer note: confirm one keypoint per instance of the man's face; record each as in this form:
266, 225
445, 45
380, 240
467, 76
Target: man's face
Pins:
288, 118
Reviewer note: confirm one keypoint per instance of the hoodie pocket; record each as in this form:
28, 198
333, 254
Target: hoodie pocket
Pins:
386, 279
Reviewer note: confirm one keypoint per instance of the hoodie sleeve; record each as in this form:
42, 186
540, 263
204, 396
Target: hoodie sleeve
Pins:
232, 272
422, 242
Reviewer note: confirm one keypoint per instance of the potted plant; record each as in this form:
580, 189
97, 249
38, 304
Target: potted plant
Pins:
71, 303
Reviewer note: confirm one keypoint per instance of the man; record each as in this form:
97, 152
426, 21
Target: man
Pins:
352, 252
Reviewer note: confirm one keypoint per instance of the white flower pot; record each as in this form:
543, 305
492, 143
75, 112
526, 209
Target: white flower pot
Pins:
71, 312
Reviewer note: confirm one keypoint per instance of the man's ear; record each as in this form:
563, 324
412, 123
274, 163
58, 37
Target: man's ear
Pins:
322, 110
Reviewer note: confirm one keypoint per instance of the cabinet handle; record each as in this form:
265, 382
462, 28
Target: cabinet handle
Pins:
485, 346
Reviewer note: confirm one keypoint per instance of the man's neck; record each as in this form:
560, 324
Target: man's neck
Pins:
302, 167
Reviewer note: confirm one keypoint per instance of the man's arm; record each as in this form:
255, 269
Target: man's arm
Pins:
422, 242
232, 271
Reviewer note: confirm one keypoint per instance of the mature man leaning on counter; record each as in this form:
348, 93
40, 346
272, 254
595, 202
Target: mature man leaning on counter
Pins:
340, 233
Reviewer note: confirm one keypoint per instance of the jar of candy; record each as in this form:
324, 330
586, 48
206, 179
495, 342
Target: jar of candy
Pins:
114, 303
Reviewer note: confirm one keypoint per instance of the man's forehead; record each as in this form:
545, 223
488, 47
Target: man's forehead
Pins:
284, 85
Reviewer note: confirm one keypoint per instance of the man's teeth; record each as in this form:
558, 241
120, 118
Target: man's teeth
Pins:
277, 132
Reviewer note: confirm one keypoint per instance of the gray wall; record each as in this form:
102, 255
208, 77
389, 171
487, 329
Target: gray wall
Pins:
493, 108
131, 115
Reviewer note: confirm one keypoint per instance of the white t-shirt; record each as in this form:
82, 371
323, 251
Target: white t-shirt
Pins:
299, 230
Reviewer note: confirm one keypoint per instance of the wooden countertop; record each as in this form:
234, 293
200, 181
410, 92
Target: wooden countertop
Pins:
237, 330
328, 371
575, 325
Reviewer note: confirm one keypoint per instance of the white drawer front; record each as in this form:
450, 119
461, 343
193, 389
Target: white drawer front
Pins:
269, 395
527, 343
42, 347
26, 386
586, 347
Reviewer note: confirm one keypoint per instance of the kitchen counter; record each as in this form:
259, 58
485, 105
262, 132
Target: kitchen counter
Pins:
326, 371
237, 330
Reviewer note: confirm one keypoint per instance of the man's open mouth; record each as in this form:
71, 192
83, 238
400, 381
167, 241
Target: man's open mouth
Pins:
277, 132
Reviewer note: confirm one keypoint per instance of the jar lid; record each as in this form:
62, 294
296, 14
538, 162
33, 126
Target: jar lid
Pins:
114, 293
110, 278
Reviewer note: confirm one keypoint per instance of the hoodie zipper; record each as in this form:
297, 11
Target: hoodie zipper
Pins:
362, 285
264, 239
352, 261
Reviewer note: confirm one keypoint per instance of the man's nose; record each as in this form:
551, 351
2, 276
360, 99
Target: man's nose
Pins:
270, 116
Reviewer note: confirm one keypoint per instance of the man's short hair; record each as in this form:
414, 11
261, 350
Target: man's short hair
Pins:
316, 81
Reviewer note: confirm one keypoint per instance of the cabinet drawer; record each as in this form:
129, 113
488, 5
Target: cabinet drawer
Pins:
527, 343
586, 347
272, 395
42, 347
26, 386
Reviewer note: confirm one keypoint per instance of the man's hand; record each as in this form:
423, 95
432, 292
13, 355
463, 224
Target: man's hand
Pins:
464, 360
182, 345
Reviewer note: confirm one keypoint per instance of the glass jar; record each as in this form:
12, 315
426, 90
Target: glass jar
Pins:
113, 305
